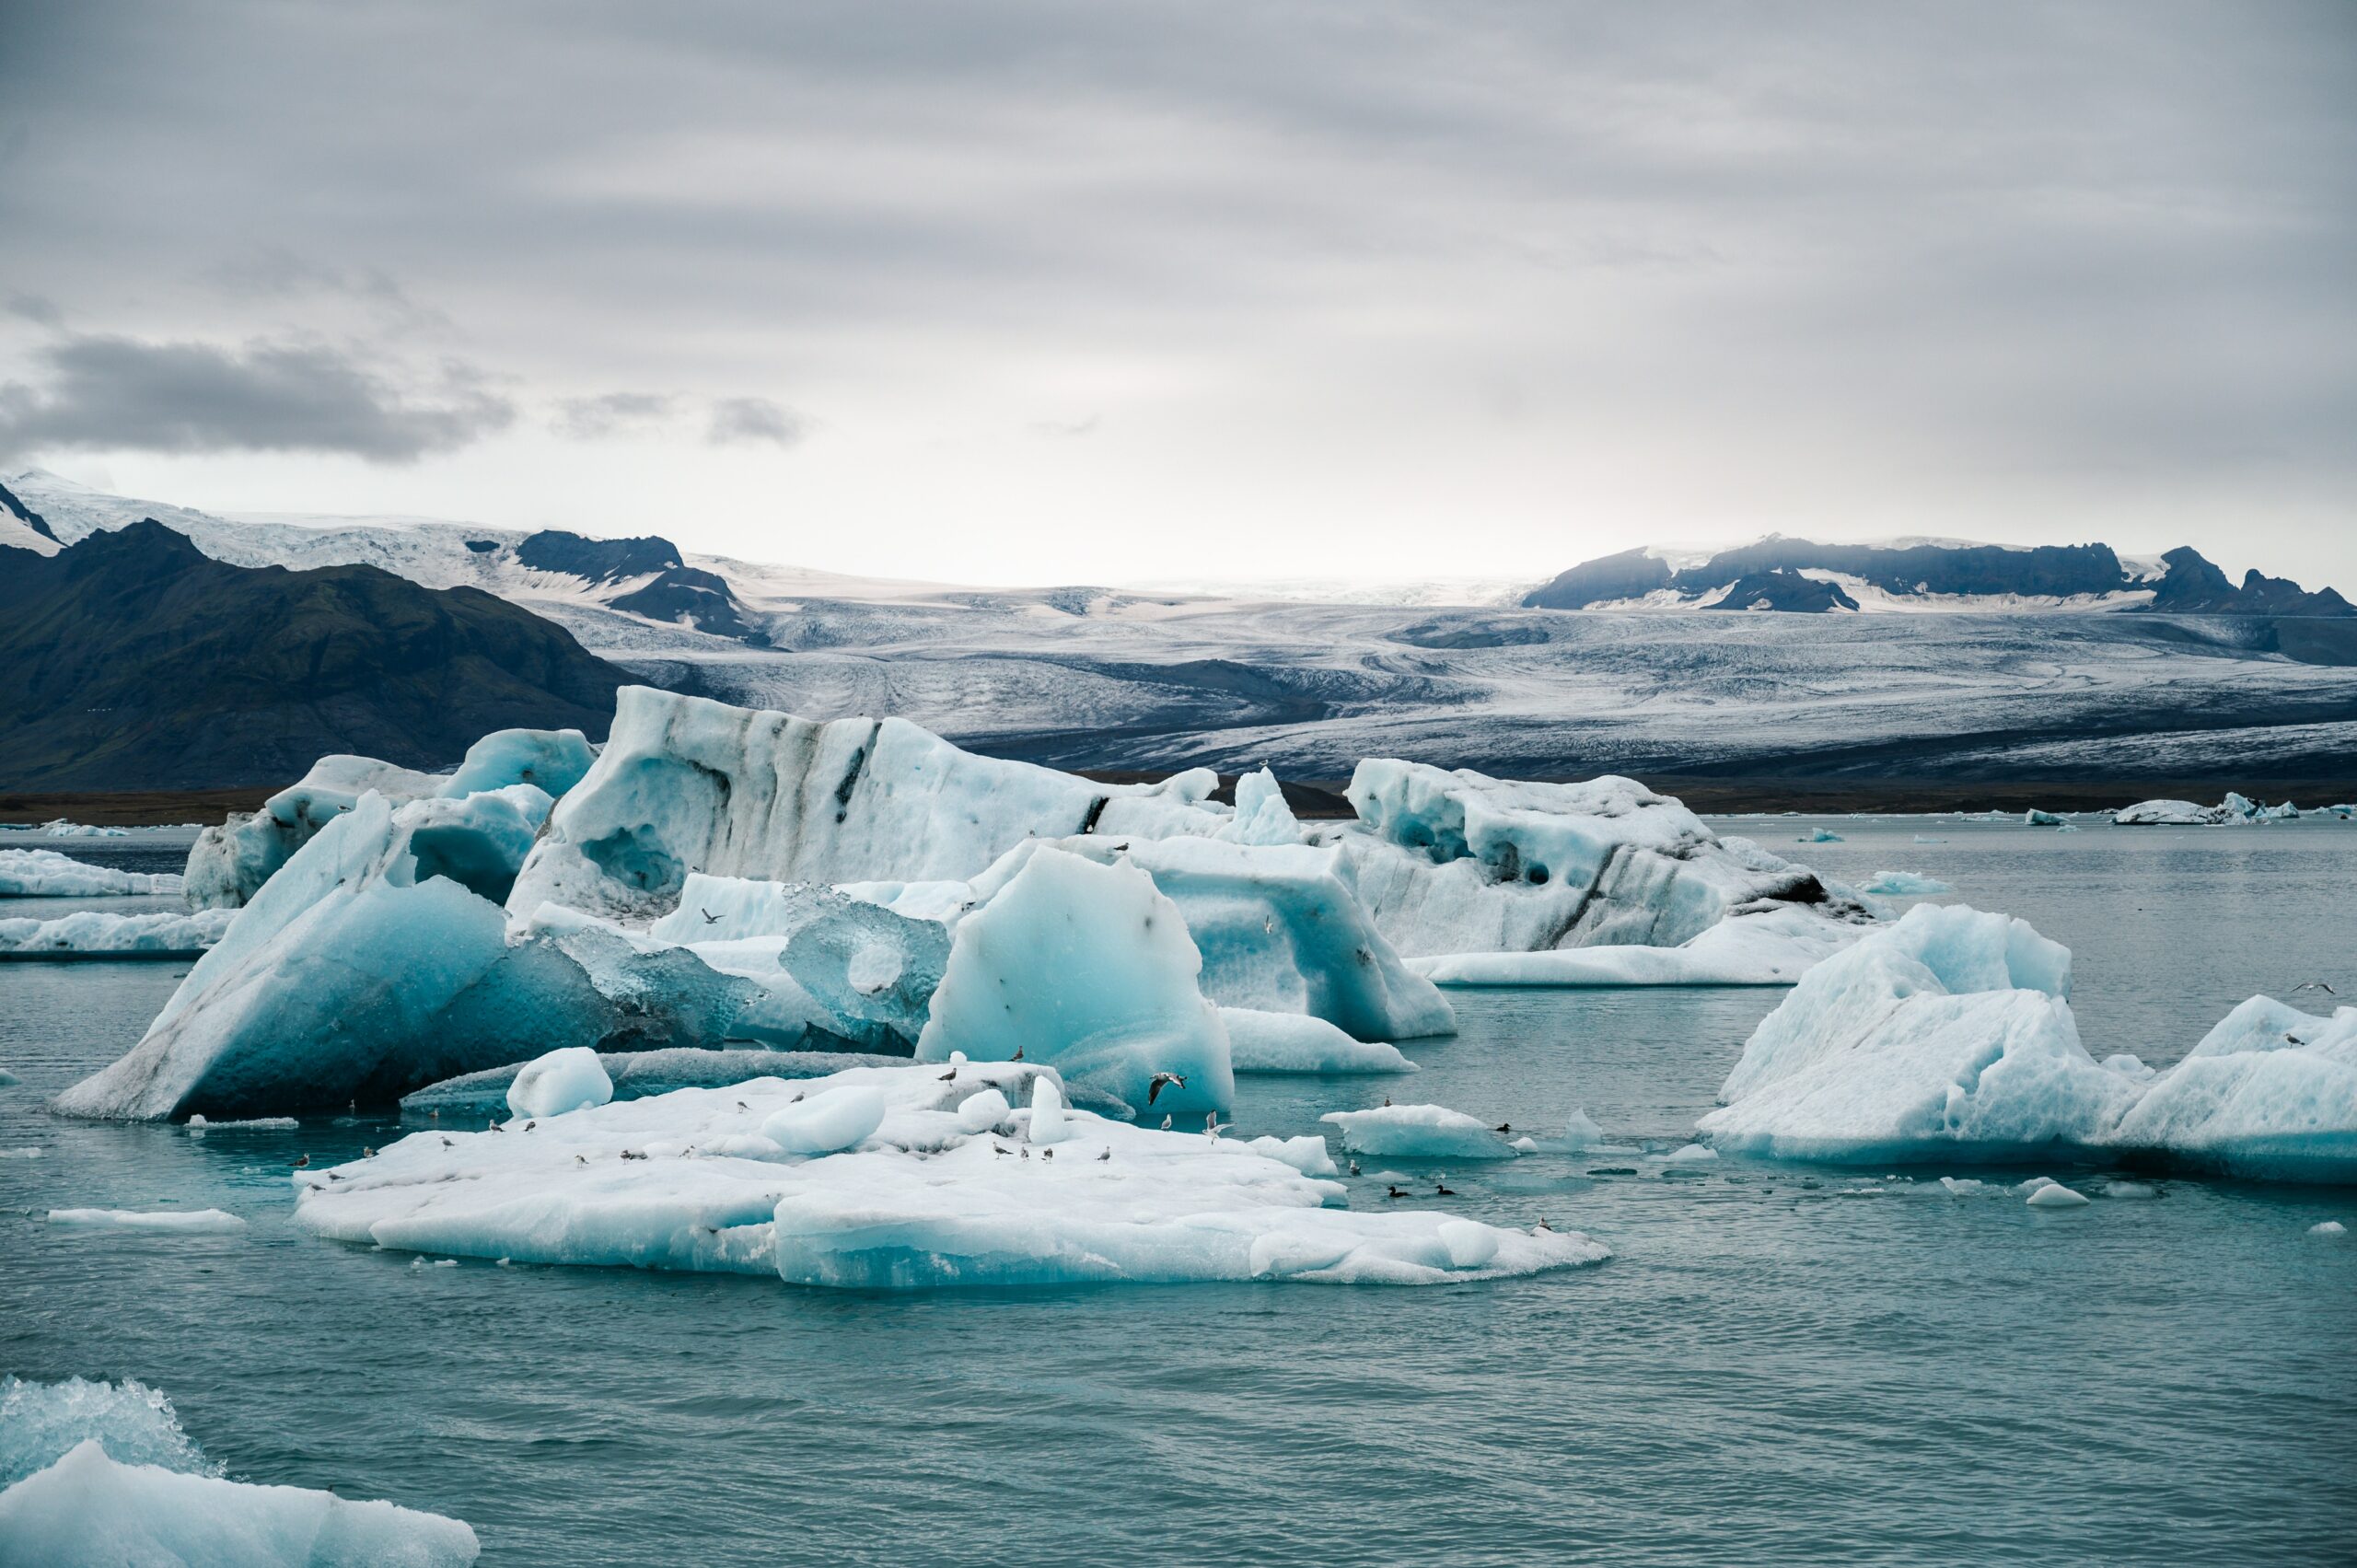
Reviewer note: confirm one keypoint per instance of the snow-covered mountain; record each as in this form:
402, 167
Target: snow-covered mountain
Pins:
1112, 678
1952, 576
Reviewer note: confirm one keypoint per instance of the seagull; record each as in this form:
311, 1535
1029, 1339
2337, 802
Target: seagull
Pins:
709, 918
740, 1105
334, 1176
1442, 1189
1165, 1121
2314, 984
302, 1160
948, 1077
530, 1125
1543, 1224
494, 1126
367, 1153
1106, 1155
996, 1150
1160, 1082
1018, 1054
436, 1115
448, 1145
1026, 1151
1354, 1168
581, 1159
1047, 1154
1386, 1099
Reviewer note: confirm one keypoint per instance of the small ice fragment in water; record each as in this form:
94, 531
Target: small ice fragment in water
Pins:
1693, 1153
201, 1220
2130, 1189
2054, 1195
1960, 1185
2328, 1228
30, 1152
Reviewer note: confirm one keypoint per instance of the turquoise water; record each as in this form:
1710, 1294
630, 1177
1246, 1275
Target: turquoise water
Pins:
1779, 1365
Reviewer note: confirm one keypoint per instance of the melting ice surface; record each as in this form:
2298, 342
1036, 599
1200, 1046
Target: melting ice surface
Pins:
1748, 1325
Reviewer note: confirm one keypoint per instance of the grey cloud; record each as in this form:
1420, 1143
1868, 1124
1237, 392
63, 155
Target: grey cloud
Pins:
36, 308
118, 392
741, 420
589, 419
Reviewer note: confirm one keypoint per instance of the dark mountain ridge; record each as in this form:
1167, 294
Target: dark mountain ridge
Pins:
132, 660
2190, 585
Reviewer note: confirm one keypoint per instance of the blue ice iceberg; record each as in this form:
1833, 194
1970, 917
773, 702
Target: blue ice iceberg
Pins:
46, 874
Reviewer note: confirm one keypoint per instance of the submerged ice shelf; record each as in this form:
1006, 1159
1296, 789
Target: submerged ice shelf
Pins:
960, 1182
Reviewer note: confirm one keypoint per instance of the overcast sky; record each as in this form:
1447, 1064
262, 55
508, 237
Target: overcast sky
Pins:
1090, 291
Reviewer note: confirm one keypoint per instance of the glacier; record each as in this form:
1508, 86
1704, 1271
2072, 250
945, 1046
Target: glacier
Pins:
102, 1474
929, 1197
46, 874
102, 933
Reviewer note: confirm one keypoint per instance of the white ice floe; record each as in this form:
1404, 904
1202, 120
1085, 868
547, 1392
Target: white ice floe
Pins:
229, 863
1691, 1154
2054, 1195
1307, 1153
569, 1078
89, 1509
1946, 1035
2328, 1228
102, 933
64, 828
182, 1221
1904, 885
199, 1124
46, 874
1089, 968
2270, 1092
2234, 810
1295, 1042
2034, 818
931, 1197
1419, 1132
1820, 836
1774, 947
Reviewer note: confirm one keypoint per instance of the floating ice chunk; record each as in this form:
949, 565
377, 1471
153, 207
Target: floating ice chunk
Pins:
243, 1125
2054, 1195
569, 1078
99, 934
2269, 1092
45, 874
1581, 1133
2033, 1183
1420, 1132
2034, 818
1820, 836
1295, 1042
1307, 1153
1773, 947
2130, 1189
1693, 1153
193, 1222
1905, 885
41, 1422
1945, 1034
2328, 1228
2165, 814
1090, 969
88, 1509
62, 828
922, 1202
1049, 1123
1958, 1186
828, 1122
1928, 839
29, 1152
8, 1078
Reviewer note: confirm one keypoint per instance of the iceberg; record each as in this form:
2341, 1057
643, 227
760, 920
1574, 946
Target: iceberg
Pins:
930, 1198
66, 828
2270, 1092
1772, 948
230, 862
1946, 1036
1904, 885
98, 933
46, 874
2234, 810
1452, 863
1295, 1042
637, 1074
41, 1422
376, 962
2034, 818
1089, 968
1419, 1132
1820, 836
688, 785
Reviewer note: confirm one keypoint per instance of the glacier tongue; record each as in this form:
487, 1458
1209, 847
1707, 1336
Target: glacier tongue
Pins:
687, 1180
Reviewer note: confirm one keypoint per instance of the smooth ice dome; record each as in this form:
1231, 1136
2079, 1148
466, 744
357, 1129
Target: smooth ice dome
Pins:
88, 1509
570, 1078
46, 874
2054, 1195
828, 1121
934, 1196
1419, 1132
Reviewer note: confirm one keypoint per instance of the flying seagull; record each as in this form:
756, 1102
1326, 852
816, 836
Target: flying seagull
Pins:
709, 918
2315, 985
1160, 1082
302, 1160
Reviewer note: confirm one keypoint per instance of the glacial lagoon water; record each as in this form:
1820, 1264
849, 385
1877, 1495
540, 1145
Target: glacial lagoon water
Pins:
1780, 1365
